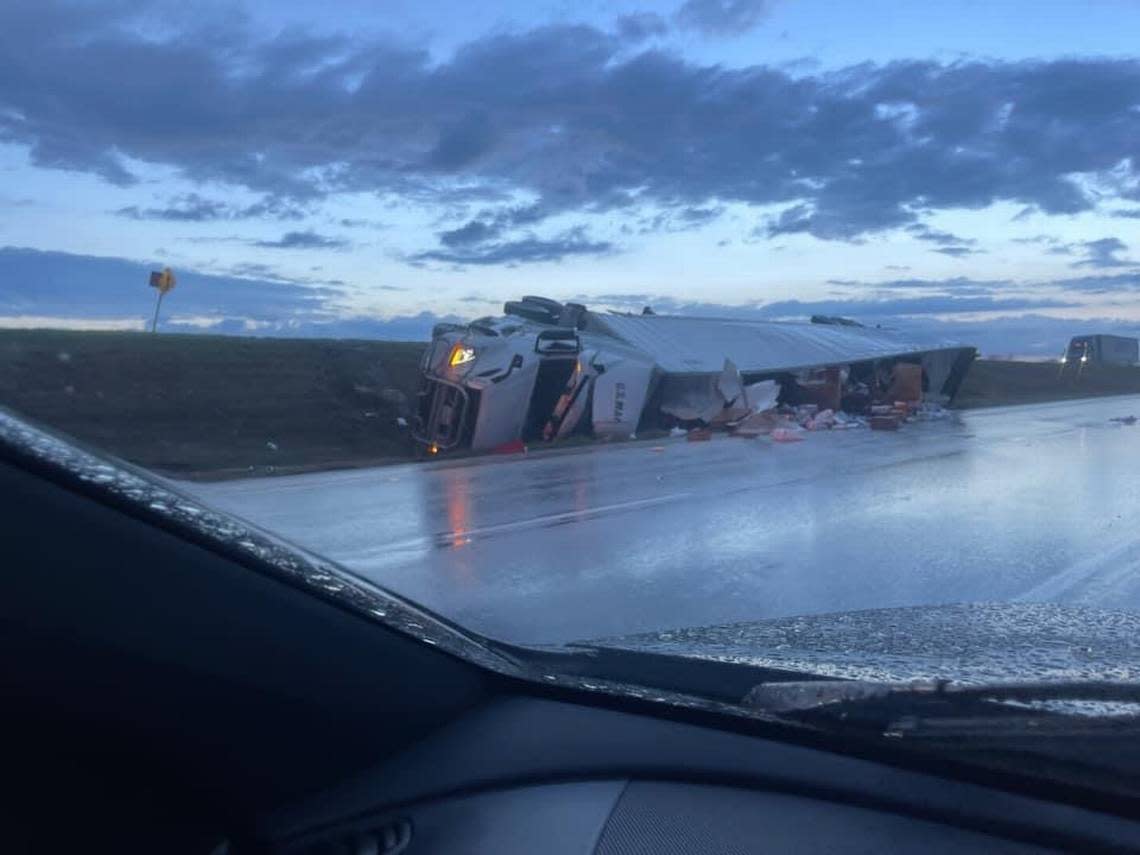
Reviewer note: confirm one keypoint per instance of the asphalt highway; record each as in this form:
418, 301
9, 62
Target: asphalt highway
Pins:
1035, 503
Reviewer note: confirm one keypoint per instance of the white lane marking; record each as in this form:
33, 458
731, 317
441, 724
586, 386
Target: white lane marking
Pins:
1099, 574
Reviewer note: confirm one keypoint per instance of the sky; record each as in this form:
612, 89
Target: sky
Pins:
366, 168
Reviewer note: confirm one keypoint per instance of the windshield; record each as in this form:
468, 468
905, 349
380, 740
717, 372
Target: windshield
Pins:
794, 336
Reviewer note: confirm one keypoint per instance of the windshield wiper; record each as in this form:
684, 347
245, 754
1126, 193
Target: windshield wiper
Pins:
931, 708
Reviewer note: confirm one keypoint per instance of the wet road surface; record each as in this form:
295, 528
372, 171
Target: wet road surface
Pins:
1035, 503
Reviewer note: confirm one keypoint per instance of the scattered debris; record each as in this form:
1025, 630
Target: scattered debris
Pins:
271, 445
702, 434
1124, 420
401, 422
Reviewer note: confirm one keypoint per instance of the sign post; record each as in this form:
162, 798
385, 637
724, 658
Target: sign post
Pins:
162, 281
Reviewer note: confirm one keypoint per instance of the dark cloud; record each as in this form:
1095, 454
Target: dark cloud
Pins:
1103, 283
522, 251
491, 224
958, 251
302, 240
639, 26
678, 220
473, 232
722, 17
920, 231
359, 223
193, 208
1129, 213
1103, 253
948, 244
82, 286
564, 115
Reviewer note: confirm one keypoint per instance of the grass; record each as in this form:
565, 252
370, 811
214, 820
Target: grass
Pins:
217, 406
992, 383
186, 404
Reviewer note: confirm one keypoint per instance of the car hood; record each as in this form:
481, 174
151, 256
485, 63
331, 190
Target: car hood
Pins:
970, 642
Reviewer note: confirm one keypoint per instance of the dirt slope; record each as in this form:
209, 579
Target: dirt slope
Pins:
188, 403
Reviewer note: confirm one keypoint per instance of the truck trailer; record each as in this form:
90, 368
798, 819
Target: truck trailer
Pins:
1102, 350
545, 370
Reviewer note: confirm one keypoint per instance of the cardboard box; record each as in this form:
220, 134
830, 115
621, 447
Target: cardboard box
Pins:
906, 383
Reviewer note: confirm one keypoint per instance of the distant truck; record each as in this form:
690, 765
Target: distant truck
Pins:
1102, 350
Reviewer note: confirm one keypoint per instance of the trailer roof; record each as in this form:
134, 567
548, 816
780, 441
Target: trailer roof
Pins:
684, 345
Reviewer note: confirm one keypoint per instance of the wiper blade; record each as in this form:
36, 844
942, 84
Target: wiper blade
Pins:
792, 697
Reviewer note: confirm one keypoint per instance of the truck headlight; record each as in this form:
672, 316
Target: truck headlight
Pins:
461, 354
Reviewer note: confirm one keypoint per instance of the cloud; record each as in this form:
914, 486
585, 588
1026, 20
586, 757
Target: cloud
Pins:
679, 219
473, 232
66, 285
193, 208
522, 251
302, 240
958, 251
567, 116
491, 224
1102, 283
639, 26
947, 243
1129, 213
1103, 253
722, 17
920, 231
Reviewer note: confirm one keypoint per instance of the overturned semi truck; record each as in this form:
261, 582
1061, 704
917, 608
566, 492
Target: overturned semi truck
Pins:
545, 370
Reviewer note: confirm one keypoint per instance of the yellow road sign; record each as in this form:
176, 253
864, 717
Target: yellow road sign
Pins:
163, 280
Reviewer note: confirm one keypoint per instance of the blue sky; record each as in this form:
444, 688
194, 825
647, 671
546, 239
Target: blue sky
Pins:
364, 168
